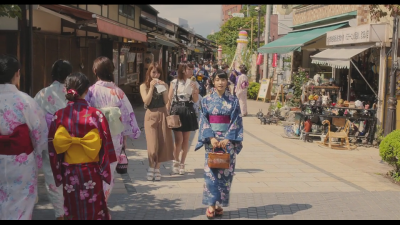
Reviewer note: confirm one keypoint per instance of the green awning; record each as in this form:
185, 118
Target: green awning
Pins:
343, 16
166, 43
293, 41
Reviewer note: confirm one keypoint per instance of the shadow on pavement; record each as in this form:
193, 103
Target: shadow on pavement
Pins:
199, 174
182, 207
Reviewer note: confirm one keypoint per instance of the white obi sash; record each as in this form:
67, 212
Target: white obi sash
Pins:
113, 115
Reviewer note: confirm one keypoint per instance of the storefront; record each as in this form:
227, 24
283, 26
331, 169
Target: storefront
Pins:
358, 58
349, 98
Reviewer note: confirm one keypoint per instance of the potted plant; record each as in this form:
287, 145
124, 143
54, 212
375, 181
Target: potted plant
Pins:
389, 150
299, 79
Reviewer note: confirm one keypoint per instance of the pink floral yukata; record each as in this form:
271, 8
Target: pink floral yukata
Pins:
19, 173
104, 95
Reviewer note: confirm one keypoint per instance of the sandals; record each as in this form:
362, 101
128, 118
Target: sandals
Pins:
175, 167
210, 215
182, 169
157, 175
219, 211
150, 174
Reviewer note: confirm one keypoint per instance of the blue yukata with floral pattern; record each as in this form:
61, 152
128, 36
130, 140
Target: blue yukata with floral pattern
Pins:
218, 182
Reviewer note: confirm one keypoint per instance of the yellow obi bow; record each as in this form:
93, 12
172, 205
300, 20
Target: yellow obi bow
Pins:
77, 150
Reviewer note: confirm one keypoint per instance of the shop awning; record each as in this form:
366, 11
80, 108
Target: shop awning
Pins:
293, 41
165, 42
339, 57
108, 26
70, 10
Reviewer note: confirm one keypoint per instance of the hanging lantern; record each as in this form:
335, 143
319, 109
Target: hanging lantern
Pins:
260, 59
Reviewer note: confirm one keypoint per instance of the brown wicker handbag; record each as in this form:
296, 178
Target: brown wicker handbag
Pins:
173, 121
219, 160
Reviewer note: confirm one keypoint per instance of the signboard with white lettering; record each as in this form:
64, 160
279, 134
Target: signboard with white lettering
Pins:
359, 34
237, 15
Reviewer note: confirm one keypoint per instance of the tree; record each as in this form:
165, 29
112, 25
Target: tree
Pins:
229, 33
253, 12
11, 11
377, 12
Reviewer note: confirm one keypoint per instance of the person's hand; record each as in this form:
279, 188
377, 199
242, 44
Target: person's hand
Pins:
214, 142
160, 82
125, 137
223, 143
153, 82
194, 88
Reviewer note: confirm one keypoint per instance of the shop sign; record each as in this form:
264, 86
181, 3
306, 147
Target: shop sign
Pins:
360, 34
137, 48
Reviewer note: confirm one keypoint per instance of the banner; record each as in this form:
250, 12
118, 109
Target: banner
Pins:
260, 59
160, 56
274, 60
139, 58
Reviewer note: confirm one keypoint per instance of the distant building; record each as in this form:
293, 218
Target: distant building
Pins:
180, 21
227, 11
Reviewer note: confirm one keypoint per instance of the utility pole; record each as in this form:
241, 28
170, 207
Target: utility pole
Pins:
258, 76
392, 101
266, 40
248, 6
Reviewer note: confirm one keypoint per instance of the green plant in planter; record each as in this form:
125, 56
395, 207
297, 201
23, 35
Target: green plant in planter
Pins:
278, 104
252, 90
299, 79
389, 150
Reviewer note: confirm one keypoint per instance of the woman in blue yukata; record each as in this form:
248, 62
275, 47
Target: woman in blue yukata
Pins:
221, 127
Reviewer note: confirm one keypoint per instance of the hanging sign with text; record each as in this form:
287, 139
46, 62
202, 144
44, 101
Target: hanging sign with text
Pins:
359, 34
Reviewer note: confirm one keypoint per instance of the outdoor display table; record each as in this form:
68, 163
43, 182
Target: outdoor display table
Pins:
369, 119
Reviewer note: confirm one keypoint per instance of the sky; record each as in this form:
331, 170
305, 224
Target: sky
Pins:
203, 18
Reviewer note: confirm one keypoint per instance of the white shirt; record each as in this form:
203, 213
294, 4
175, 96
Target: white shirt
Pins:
184, 89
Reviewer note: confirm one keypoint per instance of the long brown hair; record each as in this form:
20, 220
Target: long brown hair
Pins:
104, 68
182, 69
148, 74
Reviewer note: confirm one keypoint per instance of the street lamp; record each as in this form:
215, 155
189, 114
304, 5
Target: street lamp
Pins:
258, 9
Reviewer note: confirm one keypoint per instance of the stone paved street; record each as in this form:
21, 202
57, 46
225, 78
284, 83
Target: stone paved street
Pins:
276, 178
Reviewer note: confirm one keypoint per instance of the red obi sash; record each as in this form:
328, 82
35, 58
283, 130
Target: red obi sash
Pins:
219, 119
16, 143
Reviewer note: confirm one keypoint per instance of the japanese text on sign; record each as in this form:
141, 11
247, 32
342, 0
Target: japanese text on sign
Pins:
359, 34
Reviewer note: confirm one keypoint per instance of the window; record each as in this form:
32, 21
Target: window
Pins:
127, 10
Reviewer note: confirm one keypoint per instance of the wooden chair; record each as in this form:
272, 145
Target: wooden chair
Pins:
343, 134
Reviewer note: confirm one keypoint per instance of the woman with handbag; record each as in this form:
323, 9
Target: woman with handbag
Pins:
183, 93
113, 103
159, 140
221, 129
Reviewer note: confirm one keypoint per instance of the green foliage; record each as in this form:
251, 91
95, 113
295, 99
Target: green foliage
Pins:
395, 175
229, 33
389, 149
299, 78
379, 134
377, 13
11, 11
279, 104
252, 10
253, 89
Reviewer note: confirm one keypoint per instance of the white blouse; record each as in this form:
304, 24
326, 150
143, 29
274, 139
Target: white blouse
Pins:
183, 86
